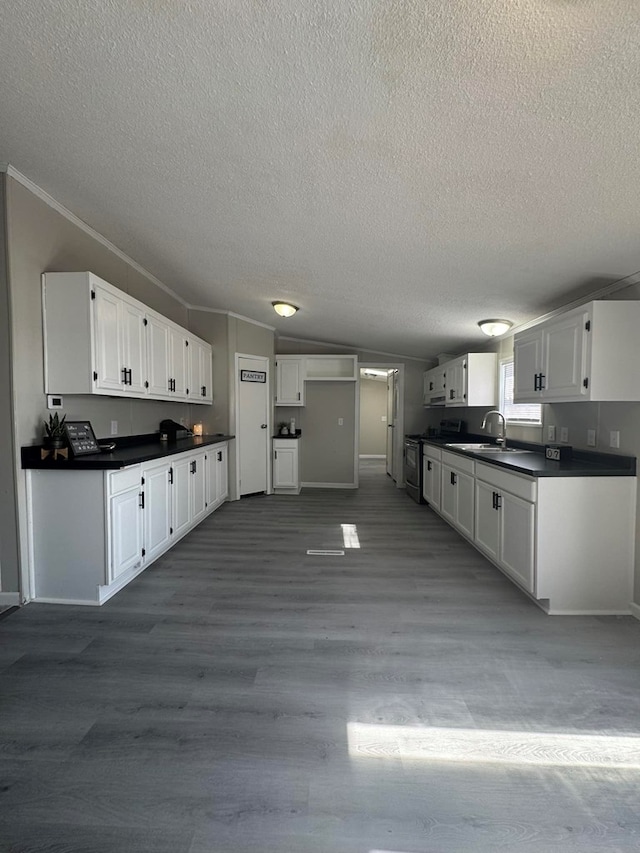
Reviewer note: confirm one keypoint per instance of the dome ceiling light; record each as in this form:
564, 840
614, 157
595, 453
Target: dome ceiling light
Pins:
284, 309
494, 328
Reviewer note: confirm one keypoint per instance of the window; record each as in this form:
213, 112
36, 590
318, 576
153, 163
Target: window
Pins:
529, 414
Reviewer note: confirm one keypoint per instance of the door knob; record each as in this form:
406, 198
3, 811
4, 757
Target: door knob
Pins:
263, 426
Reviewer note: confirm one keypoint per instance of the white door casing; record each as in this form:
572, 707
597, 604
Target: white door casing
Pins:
253, 427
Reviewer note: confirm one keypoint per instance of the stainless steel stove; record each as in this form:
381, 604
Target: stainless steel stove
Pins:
449, 430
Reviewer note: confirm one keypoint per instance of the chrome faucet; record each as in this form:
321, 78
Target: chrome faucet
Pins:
502, 437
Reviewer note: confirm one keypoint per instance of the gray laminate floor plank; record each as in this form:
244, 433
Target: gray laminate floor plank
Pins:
241, 695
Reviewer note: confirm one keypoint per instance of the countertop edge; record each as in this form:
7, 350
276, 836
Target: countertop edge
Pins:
578, 466
121, 457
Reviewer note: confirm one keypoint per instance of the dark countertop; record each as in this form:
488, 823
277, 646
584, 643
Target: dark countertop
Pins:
583, 463
129, 450
291, 437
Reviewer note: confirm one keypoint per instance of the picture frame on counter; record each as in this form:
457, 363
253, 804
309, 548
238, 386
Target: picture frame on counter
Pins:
81, 438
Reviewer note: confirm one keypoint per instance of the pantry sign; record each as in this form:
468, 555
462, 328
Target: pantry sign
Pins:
253, 376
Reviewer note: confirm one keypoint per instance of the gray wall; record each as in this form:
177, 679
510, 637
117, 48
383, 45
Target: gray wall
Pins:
40, 239
373, 417
9, 552
327, 451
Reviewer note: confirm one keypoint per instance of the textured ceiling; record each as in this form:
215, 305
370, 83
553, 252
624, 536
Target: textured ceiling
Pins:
399, 170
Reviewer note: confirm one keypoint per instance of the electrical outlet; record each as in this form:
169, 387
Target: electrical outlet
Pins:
54, 401
551, 433
114, 427
614, 438
591, 438
564, 433
340, 421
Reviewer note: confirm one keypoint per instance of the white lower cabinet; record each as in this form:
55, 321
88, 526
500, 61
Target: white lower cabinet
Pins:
217, 478
125, 525
286, 478
457, 498
567, 541
432, 476
156, 481
94, 531
504, 528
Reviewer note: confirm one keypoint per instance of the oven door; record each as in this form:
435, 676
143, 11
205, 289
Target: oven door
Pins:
411, 463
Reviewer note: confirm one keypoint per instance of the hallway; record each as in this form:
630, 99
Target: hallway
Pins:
241, 695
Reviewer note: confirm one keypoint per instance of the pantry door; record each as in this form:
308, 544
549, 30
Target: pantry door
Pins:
253, 418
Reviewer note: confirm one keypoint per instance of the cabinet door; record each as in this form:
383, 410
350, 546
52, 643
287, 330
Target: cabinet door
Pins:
158, 357
289, 382
527, 366
222, 474
178, 363
107, 327
456, 391
487, 532
465, 503
432, 482
563, 357
448, 496
157, 510
197, 472
285, 465
134, 348
125, 523
181, 496
200, 370
517, 539
428, 380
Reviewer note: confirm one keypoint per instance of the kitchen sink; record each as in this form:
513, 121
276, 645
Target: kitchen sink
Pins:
487, 448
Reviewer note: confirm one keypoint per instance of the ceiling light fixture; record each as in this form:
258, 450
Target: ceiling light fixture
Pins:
493, 328
284, 309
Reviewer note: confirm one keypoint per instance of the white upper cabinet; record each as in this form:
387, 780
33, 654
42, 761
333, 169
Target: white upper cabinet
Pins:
292, 371
588, 353
434, 386
99, 340
290, 380
472, 380
199, 387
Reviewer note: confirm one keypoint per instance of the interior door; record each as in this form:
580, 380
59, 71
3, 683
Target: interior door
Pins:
252, 432
392, 411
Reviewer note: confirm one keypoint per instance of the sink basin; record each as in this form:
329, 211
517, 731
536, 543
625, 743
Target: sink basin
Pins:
487, 448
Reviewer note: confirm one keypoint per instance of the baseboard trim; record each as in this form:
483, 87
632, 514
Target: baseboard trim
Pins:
9, 599
634, 609
328, 485
372, 456
76, 602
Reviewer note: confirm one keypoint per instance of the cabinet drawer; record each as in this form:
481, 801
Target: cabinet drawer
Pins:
432, 452
119, 481
461, 463
522, 487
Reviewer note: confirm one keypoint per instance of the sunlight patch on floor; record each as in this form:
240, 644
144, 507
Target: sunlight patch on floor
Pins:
350, 536
431, 743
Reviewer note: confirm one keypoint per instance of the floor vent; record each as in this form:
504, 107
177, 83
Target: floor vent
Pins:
313, 553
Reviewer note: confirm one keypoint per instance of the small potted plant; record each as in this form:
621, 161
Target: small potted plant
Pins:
54, 436
283, 428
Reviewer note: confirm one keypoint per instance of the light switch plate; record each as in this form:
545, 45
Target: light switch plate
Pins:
54, 401
564, 433
591, 438
551, 433
614, 438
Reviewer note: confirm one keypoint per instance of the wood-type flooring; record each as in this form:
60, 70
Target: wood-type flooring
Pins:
241, 695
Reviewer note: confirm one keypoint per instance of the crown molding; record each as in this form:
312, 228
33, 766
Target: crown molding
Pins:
344, 347
230, 314
44, 196
600, 293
